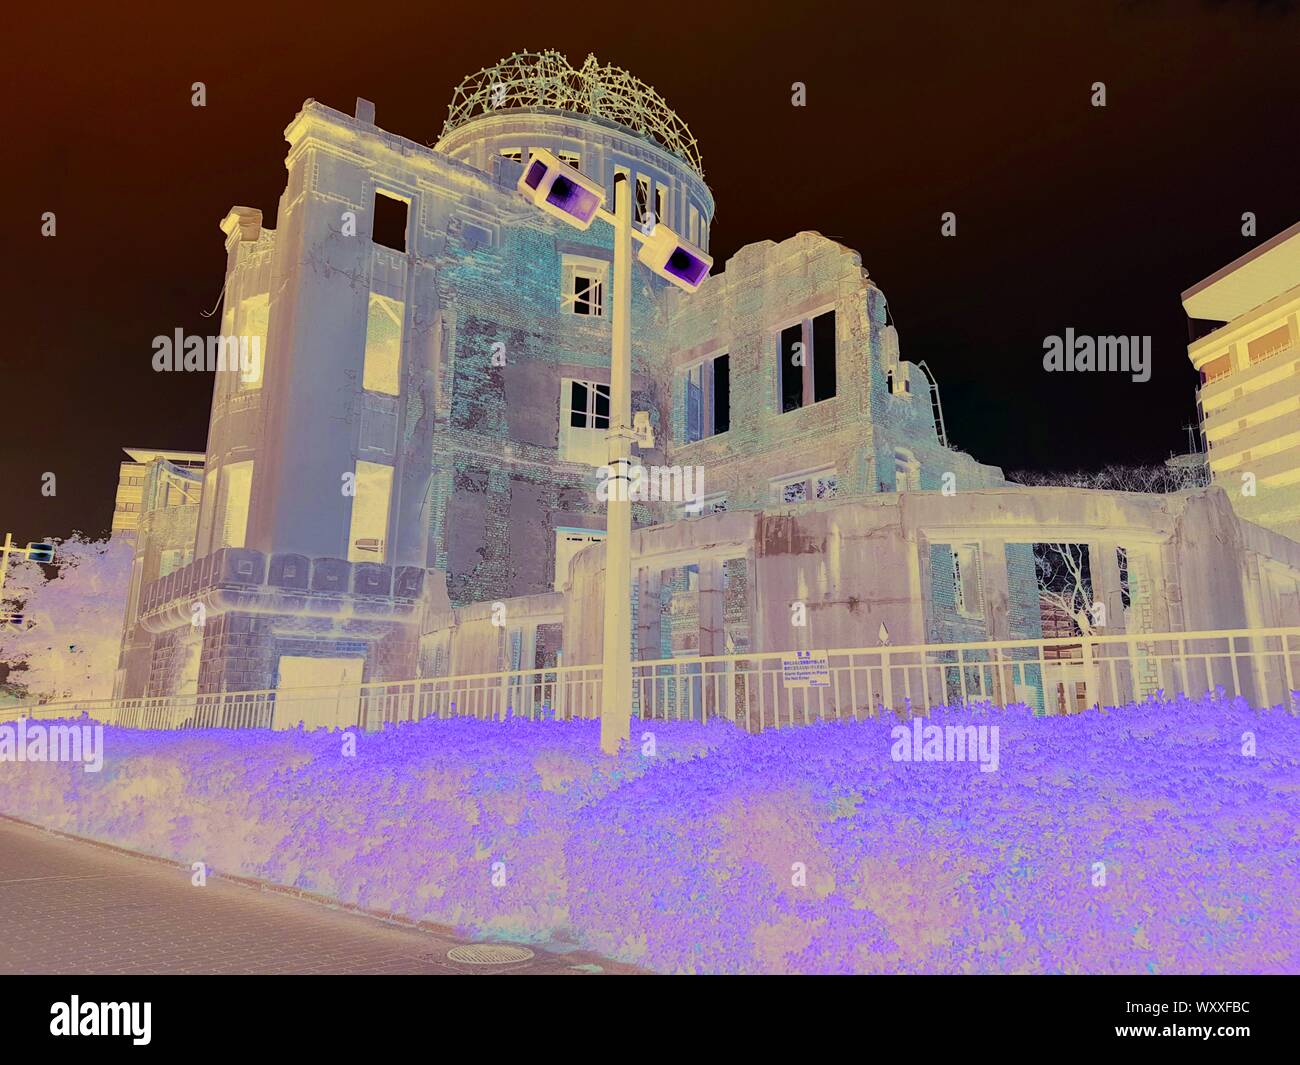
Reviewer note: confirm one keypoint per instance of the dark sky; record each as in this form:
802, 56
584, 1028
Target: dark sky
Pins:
1067, 215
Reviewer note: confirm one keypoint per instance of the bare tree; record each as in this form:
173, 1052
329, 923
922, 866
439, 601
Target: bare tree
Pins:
1115, 478
1065, 583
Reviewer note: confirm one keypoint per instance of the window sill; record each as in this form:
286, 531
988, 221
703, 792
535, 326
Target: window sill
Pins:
809, 406
704, 439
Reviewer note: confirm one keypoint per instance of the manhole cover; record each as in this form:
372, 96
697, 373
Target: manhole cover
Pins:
488, 954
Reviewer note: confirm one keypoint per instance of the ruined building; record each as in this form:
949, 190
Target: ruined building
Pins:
419, 446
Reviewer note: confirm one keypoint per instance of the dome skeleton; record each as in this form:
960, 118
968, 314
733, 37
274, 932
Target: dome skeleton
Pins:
547, 80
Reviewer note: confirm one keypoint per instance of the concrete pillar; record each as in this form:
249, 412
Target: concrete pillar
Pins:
1240, 359
1267, 674
925, 597
647, 615
997, 591
918, 576
1103, 562
712, 612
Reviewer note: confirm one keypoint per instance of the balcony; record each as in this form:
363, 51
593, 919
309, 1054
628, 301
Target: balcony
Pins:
1264, 468
1219, 391
1253, 402
240, 579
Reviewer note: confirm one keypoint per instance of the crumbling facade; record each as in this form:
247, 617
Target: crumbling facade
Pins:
407, 482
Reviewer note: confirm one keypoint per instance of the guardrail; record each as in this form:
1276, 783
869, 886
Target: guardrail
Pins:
771, 689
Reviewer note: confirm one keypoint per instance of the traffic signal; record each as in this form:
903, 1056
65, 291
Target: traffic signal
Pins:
40, 552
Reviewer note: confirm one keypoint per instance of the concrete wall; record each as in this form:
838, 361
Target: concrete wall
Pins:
860, 563
740, 311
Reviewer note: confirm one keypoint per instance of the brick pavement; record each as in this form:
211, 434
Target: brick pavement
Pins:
71, 907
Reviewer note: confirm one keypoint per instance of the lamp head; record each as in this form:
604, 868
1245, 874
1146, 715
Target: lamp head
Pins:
675, 259
560, 190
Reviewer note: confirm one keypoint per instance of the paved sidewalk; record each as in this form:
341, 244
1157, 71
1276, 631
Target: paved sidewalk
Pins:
70, 907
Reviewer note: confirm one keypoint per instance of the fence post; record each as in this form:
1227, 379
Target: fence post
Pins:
887, 680
1090, 673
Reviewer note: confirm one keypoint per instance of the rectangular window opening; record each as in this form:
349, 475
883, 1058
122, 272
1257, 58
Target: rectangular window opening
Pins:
792, 354
823, 356
383, 355
367, 537
236, 492
390, 218
641, 208
707, 387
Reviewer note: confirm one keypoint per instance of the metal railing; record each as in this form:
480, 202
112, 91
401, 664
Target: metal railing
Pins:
771, 689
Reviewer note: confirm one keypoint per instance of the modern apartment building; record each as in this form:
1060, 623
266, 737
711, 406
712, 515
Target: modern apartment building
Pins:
1249, 361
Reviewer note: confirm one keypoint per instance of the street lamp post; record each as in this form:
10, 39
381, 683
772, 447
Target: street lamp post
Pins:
616, 675
564, 192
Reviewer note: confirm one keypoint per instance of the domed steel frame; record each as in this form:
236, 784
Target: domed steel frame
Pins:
547, 80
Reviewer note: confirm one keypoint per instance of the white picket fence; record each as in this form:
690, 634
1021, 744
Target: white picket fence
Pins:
761, 690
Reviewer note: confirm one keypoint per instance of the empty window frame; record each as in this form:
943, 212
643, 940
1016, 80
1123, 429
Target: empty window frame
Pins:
821, 485
661, 204
584, 422
907, 471
714, 504
254, 318
806, 371
515, 154
584, 286
383, 356
588, 405
389, 220
825, 486
236, 491
967, 596
572, 159
707, 398
209, 511
368, 534
641, 206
